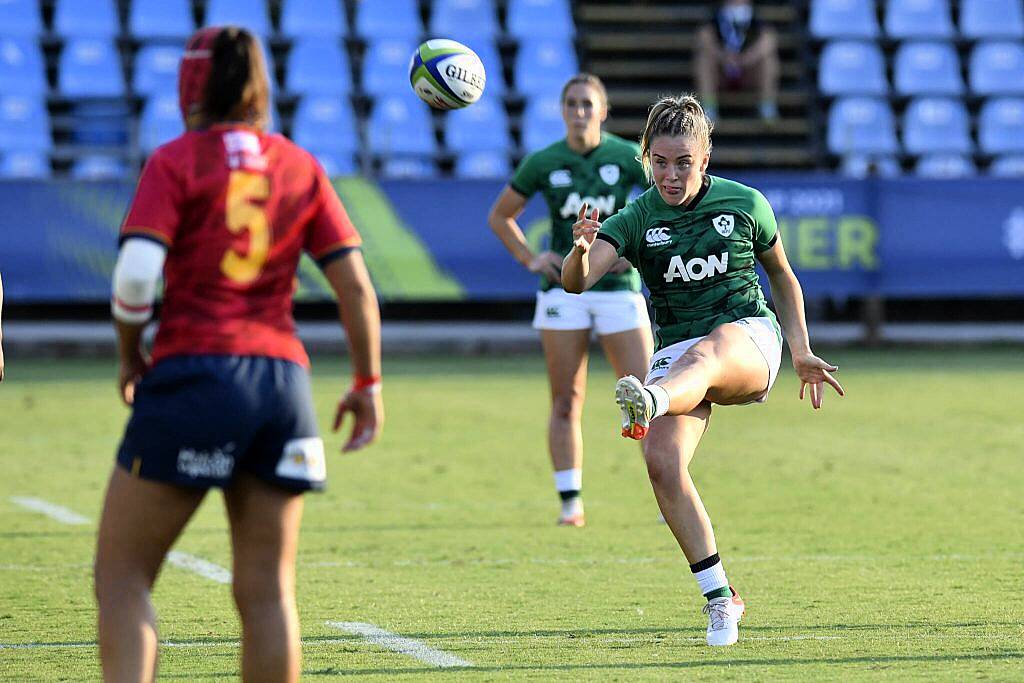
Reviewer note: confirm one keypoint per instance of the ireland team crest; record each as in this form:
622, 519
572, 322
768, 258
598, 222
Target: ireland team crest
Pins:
609, 174
723, 224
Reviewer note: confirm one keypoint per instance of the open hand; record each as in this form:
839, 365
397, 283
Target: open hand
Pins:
548, 264
815, 373
585, 229
367, 407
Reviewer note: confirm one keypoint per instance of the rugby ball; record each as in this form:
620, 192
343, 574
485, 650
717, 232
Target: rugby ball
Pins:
446, 74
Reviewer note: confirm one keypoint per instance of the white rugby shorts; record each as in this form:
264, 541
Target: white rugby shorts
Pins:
604, 312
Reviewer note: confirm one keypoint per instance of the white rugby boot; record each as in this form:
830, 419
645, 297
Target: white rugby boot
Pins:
724, 616
636, 405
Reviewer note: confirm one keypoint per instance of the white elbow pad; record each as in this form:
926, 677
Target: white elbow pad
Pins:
136, 274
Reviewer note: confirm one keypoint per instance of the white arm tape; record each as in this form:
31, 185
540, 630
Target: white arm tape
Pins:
138, 269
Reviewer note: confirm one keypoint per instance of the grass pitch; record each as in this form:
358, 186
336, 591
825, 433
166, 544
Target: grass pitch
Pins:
878, 539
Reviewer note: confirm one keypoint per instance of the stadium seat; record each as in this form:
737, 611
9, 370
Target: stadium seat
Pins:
945, 166
488, 53
24, 123
98, 167
918, 19
22, 70
91, 67
325, 124
25, 165
160, 122
86, 19
156, 70
540, 18
470, 19
250, 14
983, 19
1001, 126
936, 124
543, 65
927, 69
861, 125
1009, 166
336, 164
161, 20
542, 122
482, 164
869, 165
408, 167
850, 67
843, 19
997, 68
388, 19
100, 123
385, 64
318, 64
324, 18
401, 125
484, 126
21, 18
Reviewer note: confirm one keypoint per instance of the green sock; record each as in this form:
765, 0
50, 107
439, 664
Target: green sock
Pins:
722, 592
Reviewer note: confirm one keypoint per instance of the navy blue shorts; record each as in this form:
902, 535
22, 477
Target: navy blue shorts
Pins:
199, 420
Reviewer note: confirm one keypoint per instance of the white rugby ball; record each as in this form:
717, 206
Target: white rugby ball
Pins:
446, 74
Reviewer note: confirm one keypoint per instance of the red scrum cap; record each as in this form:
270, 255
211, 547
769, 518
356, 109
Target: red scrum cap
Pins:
195, 71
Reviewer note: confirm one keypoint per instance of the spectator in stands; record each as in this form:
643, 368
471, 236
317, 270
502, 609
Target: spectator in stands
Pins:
735, 50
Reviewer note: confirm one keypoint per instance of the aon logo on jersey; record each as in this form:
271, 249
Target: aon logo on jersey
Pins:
605, 204
697, 268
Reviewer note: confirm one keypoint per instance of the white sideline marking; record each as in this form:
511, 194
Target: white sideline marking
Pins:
396, 643
61, 514
205, 569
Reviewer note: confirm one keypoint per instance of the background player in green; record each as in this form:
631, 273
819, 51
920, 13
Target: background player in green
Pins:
600, 169
695, 238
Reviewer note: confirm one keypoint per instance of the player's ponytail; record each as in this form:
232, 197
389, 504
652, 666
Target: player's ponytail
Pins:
237, 89
674, 116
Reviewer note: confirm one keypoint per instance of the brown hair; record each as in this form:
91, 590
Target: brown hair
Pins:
238, 88
586, 79
674, 116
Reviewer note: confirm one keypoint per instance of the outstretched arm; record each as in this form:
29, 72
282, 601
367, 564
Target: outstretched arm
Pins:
789, 303
590, 258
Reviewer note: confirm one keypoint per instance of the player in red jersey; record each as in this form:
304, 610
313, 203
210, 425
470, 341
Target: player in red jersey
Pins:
225, 211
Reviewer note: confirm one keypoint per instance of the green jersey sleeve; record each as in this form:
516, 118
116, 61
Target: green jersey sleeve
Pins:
526, 179
765, 228
636, 169
622, 231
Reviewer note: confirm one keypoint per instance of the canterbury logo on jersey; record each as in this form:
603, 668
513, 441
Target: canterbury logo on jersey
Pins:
605, 204
657, 237
661, 364
697, 268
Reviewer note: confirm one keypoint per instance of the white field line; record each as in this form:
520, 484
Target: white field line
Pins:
205, 569
396, 643
51, 510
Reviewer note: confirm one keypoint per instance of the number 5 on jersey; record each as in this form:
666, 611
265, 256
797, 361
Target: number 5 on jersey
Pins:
245, 187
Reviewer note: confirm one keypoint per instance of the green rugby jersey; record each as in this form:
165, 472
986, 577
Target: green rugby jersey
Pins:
697, 260
602, 178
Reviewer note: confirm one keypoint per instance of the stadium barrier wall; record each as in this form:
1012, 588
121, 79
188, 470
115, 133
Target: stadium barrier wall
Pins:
429, 240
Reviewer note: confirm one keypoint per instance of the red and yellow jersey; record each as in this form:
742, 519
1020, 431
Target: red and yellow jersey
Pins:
235, 208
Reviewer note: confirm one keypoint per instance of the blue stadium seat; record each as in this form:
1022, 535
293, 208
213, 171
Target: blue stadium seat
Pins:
416, 168
850, 67
156, 70
388, 19
936, 124
918, 19
22, 70
401, 125
21, 18
25, 165
98, 167
1001, 126
471, 19
250, 14
843, 19
862, 125
325, 124
160, 122
540, 18
544, 65
86, 19
336, 164
1009, 166
324, 18
983, 19
542, 122
482, 164
386, 65
945, 166
927, 69
161, 20
318, 64
24, 123
91, 67
484, 126
997, 68
488, 53
870, 165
